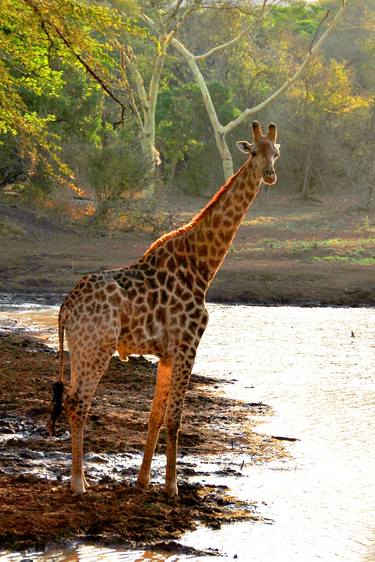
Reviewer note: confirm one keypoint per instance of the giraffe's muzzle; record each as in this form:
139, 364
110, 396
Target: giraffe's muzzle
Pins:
269, 175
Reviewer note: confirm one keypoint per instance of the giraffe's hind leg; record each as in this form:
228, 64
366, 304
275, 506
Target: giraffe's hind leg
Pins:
87, 369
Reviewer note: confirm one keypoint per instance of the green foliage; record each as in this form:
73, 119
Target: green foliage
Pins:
185, 139
350, 250
114, 170
297, 17
8, 228
40, 44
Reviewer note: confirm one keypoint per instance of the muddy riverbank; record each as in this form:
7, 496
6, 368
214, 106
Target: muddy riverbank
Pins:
36, 506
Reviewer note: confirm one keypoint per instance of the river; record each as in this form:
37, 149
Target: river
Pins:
315, 367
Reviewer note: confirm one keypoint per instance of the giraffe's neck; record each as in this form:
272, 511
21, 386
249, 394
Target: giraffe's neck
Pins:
216, 225
197, 249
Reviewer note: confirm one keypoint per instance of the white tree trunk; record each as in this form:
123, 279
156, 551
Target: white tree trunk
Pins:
225, 155
146, 116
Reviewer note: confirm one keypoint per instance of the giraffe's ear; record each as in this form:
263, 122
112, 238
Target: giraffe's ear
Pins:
244, 146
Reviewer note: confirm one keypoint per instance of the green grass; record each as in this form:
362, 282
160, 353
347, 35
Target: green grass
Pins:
347, 259
350, 250
8, 228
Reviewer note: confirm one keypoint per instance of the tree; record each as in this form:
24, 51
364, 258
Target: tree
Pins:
38, 40
143, 99
220, 130
323, 97
184, 136
353, 143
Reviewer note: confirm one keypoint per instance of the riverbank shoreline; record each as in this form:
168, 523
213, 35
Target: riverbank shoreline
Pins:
44, 298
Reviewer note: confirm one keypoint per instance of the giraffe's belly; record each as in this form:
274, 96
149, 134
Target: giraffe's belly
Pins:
150, 340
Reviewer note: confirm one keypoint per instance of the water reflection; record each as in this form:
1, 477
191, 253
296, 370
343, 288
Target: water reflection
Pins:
91, 553
315, 367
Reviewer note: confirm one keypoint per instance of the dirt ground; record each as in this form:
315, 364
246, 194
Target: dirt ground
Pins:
35, 509
286, 252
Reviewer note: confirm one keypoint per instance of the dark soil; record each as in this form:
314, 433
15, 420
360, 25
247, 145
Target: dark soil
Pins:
35, 511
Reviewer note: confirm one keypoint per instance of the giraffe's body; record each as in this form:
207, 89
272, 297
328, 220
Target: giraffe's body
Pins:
156, 306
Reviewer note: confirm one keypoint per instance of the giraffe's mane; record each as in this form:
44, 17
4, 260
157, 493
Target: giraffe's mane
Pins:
199, 216
218, 195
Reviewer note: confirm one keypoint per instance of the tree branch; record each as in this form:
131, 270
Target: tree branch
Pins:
138, 80
312, 50
222, 46
155, 79
81, 60
173, 14
190, 59
50, 42
198, 76
235, 39
317, 30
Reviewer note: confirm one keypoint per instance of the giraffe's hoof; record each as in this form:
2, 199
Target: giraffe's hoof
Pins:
142, 481
171, 491
78, 491
78, 486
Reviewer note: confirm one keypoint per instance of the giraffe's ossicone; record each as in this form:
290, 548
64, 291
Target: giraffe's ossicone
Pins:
155, 306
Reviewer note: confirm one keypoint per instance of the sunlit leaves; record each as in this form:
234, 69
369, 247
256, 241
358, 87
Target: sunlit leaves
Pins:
39, 41
327, 87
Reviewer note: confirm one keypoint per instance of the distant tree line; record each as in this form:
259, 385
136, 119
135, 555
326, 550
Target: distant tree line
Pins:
95, 95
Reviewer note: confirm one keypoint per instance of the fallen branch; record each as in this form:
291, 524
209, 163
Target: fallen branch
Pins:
282, 438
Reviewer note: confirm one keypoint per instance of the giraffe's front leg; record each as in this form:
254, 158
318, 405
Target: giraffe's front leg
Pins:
180, 378
156, 419
77, 412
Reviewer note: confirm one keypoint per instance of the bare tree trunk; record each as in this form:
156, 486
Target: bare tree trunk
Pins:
146, 113
144, 108
149, 157
307, 170
225, 155
217, 127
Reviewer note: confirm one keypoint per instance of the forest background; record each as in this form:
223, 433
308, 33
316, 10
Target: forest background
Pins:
112, 113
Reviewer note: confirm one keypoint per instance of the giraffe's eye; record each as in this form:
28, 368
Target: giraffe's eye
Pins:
253, 152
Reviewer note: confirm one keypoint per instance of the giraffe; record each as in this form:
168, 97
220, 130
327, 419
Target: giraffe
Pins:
155, 306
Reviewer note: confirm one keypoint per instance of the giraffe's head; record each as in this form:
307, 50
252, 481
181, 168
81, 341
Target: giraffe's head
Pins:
263, 151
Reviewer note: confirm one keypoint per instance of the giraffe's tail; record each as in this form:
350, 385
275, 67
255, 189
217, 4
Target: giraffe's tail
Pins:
58, 387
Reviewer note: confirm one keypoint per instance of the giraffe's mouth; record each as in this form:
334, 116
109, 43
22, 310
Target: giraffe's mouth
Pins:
269, 177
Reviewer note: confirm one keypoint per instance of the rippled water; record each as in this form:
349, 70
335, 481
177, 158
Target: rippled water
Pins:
315, 367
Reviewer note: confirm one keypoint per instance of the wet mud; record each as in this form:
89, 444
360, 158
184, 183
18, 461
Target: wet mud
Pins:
36, 506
